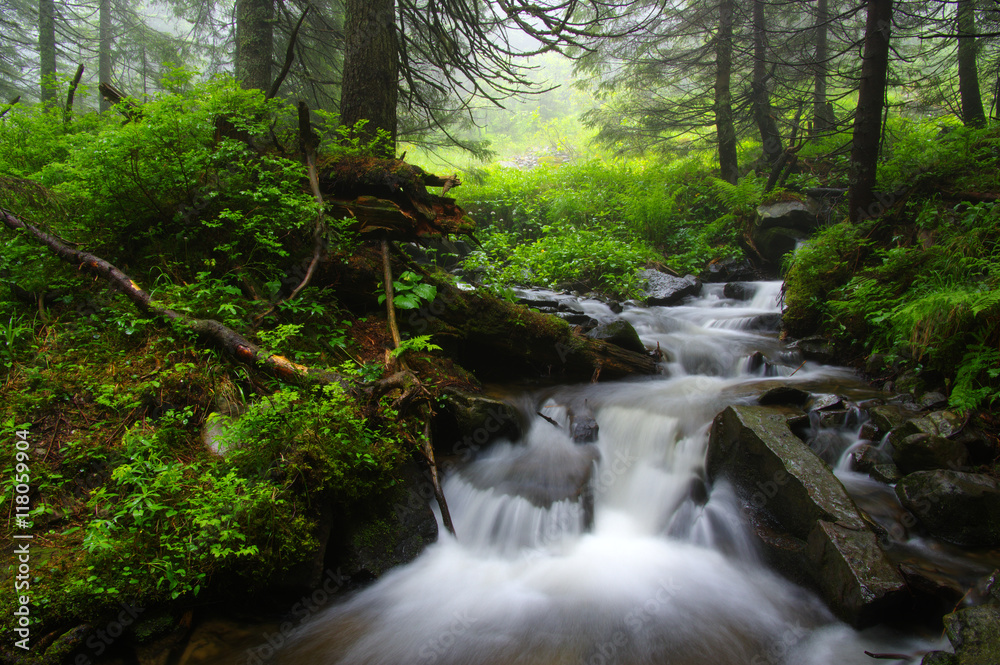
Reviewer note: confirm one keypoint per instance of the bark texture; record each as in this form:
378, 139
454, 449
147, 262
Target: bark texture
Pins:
47, 47
724, 128
770, 137
867, 136
370, 88
254, 43
968, 71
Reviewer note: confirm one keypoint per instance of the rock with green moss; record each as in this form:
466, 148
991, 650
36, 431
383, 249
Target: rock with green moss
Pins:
975, 634
618, 332
961, 508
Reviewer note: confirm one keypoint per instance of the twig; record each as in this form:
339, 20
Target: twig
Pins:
72, 92
10, 106
289, 56
551, 420
890, 656
798, 368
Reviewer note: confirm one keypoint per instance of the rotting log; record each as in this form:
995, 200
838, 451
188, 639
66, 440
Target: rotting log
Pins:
226, 338
389, 197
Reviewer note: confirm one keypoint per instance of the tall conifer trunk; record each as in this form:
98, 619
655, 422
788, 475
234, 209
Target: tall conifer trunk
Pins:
770, 137
47, 47
968, 72
254, 43
370, 87
724, 128
104, 49
868, 119
822, 117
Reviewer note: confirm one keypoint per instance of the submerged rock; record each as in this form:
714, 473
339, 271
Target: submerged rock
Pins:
784, 395
663, 289
961, 508
620, 333
816, 533
739, 290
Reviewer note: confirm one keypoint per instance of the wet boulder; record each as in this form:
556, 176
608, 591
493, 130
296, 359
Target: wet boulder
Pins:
784, 395
787, 487
801, 216
620, 333
469, 421
961, 508
975, 634
924, 452
730, 270
665, 290
739, 290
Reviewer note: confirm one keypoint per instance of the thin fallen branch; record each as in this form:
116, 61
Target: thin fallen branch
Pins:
228, 339
289, 56
72, 92
427, 445
10, 106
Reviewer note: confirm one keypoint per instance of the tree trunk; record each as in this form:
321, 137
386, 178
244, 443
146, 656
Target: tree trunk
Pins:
47, 48
254, 43
370, 87
968, 73
822, 118
724, 128
104, 49
770, 137
868, 118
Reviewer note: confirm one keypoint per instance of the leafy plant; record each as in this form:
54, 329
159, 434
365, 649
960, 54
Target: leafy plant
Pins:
410, 291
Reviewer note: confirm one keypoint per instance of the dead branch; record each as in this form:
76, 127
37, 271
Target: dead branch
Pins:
10, 106
72, 92
225, 337
289, 56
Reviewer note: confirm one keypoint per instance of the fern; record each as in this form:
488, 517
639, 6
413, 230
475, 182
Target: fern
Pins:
976, 382
743, 197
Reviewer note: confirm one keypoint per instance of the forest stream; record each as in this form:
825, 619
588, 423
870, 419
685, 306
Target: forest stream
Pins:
669, 571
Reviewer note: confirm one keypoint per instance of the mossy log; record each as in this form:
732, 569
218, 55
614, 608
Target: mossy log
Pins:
224, 337
389, 197
499, 340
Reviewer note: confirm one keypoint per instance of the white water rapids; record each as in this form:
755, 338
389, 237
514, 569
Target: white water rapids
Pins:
668, 574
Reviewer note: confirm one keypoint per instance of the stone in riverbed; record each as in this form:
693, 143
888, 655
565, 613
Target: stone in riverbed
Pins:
784, 395
784, 484
663, 289
739, 290
924, 452
975, 634
620, 333
961, 508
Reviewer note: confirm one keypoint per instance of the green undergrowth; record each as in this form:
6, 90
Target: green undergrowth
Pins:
594, 223
130, 504
920, 284
200, 202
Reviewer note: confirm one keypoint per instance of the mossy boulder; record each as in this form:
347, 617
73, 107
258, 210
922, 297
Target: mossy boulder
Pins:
620, 333
808, 525
923, 451
961, 508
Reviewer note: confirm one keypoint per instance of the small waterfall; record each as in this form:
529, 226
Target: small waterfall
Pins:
667, 573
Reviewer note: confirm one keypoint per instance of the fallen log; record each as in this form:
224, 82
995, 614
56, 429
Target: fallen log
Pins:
226, 338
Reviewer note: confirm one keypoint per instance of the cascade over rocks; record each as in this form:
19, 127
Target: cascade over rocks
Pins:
810, 528
777, 229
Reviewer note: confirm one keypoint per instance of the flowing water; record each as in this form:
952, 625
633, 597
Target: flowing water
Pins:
666, 574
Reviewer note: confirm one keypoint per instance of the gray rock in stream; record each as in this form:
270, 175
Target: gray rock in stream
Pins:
663, 289
961, 508
974, 632
810, 528
924, 452
620, 333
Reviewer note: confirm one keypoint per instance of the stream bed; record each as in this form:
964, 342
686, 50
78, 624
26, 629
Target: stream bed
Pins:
619, 550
